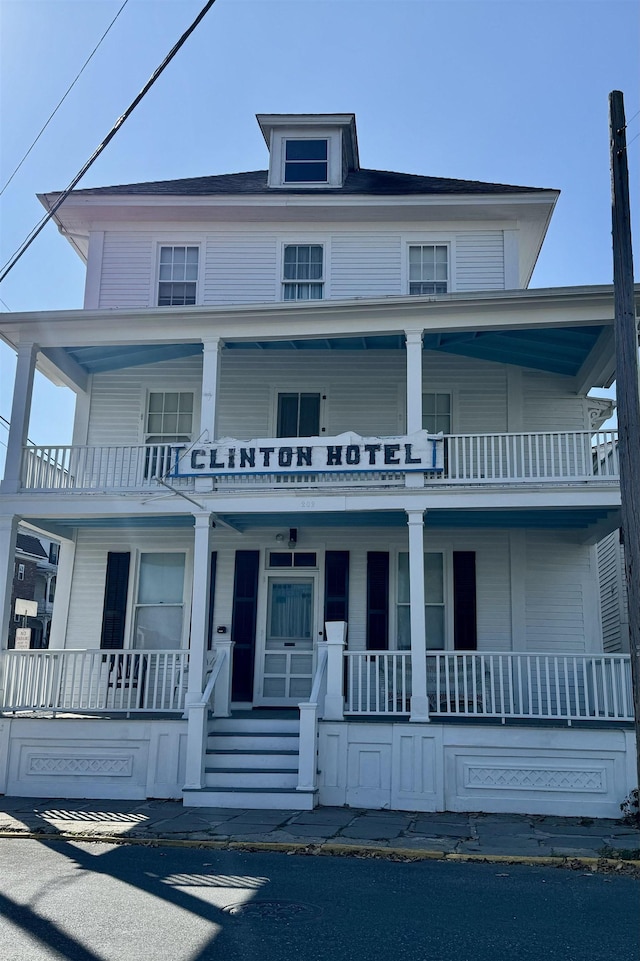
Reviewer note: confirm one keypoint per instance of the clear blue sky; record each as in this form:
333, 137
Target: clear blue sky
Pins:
512, 92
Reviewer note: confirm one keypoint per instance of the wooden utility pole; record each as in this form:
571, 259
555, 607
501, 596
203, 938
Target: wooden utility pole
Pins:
627, 391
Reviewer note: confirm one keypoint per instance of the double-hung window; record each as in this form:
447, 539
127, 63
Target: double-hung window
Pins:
428, 269
158, 617
306, 161
168, 421
434, 602
178, 276
303, 275
436, 413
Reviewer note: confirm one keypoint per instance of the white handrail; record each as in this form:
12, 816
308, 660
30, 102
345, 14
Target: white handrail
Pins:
219, 658
308, 744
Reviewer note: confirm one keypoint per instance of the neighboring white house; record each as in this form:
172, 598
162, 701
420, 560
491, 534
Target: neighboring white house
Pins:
314, 402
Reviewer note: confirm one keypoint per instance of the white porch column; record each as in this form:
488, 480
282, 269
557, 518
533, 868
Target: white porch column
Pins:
20, 411
64, 578
419, 699
8, 535
199, 607
336, 632
210, 376
414, 393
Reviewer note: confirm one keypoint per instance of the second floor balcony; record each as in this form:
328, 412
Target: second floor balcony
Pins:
460, 460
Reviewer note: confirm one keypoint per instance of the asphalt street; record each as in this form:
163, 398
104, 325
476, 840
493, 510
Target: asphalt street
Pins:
79, 901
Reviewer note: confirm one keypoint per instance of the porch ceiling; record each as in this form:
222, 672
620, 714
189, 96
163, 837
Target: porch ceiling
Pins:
557, 350
580, 518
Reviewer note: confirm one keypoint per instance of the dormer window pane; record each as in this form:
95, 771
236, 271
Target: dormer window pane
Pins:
428, 269
178, 276
306, 161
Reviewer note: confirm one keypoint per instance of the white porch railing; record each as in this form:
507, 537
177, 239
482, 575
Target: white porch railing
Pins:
124, 467
93, 681
548, 456
552, 456
565, 687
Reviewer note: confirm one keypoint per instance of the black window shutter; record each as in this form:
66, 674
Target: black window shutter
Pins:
212, 594
115, 600
243, 624
336, 586
465, 633
377, 601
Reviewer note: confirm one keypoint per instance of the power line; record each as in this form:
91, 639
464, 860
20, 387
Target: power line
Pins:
119, 122
66, 94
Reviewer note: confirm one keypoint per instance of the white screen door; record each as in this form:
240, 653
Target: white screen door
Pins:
288, 654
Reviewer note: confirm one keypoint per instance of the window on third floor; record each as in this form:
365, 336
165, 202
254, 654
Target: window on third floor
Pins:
302, 276
428, 269
178, 276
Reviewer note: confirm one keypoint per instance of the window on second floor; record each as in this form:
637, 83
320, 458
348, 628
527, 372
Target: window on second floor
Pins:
302, 276
21, 570
298, 415
436, 413
428, 269
178, 276
169, 417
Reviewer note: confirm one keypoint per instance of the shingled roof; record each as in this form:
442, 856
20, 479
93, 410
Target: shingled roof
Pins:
29, 544
371, 182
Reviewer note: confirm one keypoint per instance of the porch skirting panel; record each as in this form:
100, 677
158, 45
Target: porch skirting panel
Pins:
92, 758
438, 767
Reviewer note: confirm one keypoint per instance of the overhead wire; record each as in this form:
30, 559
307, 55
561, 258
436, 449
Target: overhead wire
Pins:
10, 264
64, 97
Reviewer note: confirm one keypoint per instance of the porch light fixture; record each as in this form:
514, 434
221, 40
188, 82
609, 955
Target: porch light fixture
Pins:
293, 537
280, 538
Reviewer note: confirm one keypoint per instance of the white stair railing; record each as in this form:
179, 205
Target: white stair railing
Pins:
308, 743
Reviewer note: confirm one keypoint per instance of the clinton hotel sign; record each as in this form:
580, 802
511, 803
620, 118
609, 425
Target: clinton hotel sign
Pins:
296, 455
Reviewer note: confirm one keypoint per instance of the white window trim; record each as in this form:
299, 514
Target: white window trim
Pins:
163, 389
420, 240
430, 388
155, 279
447, 570
298, 388
21, 572
303, 240
132, 593
277, 157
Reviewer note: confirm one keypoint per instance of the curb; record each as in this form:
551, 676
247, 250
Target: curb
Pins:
329, 848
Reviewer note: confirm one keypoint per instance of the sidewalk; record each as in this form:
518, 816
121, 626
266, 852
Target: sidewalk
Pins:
325, 830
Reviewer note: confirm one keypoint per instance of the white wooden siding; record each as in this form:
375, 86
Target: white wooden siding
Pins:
613, 595
479, 260
127, 269
84, 625
365, 265
365, 392
559, 583
558, 578
118, 398
240, 269
550, 403
242, 265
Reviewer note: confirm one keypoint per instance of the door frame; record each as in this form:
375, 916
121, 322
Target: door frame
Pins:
310, 573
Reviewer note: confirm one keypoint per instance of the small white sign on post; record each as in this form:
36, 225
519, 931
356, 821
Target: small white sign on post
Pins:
26, 608
23, 638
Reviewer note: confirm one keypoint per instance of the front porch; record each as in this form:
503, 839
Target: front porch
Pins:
505, 732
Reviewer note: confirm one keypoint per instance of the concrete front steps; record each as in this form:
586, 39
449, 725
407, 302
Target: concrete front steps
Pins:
252, 762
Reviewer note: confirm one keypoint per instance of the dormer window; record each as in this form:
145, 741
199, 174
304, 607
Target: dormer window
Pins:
306, 161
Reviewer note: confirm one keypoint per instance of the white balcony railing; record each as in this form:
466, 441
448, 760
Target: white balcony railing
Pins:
556, 687
93, 681
470, 459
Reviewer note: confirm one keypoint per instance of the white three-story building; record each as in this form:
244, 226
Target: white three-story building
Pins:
329, 515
